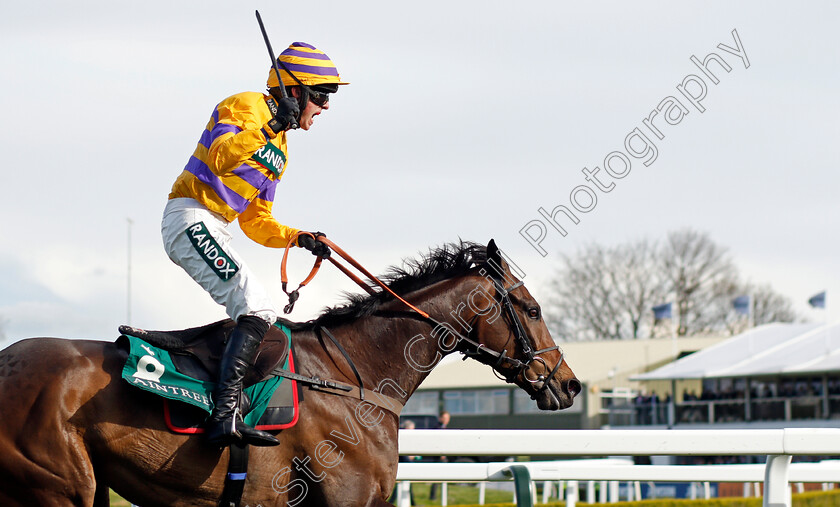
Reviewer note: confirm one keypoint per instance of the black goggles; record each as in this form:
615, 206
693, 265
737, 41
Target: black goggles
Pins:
320, 99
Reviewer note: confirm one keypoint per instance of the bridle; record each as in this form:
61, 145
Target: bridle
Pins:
504, 367
497, 360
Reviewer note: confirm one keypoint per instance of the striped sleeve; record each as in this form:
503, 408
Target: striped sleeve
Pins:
259, 224
236, 135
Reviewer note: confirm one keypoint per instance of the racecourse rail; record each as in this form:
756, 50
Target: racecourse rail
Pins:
779, 445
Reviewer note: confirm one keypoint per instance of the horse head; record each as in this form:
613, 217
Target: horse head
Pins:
510, 335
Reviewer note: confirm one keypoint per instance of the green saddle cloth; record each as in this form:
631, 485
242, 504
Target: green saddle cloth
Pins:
151, 368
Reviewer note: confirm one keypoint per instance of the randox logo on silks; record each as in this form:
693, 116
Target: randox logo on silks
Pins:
271, 157
211, 252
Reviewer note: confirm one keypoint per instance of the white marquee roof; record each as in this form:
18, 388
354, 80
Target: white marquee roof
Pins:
772, 349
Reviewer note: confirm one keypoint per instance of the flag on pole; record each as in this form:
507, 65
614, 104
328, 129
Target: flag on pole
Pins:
741, 304
817, 300
662, 311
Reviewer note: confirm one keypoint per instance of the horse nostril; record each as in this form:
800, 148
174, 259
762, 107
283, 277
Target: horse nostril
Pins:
572, 387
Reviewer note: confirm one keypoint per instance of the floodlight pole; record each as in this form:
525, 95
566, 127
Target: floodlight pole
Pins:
128, 274
675, 324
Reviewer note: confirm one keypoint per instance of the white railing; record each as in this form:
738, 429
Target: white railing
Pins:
778, 445
539, 471
568, 474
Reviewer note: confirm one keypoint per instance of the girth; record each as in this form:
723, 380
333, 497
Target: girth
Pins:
332, 387
338, 388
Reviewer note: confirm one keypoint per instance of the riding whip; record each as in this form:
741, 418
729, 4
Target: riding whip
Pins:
271, 54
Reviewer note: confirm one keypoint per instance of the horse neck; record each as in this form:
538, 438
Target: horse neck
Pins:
395, 348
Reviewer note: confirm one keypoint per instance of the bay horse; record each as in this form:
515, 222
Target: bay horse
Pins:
71, 427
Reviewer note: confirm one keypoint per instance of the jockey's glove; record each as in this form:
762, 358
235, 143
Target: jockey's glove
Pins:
288, 112
313, 245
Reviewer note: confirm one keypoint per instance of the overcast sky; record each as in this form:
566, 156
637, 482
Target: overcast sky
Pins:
462, 120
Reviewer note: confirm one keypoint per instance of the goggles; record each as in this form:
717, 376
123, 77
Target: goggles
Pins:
320, 99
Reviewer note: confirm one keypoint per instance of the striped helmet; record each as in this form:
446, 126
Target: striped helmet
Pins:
308, 63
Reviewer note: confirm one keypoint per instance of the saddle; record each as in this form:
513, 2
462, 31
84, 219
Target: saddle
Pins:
197, 352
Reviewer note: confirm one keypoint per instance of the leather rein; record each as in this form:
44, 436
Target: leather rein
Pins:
467, 346
293, 296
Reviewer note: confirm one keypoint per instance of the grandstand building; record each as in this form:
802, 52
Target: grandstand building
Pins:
776, 375
476, 398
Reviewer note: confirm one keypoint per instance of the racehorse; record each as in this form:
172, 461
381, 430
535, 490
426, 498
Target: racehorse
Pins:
71, 427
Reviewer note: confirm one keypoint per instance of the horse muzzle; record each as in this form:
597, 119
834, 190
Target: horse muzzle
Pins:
557, 394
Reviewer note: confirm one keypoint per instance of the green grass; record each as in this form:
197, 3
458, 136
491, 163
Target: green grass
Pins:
458, 495
117, 501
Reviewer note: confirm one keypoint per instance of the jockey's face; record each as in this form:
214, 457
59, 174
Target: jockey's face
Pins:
307, 116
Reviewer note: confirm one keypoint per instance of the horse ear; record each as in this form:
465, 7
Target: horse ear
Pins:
495, 262
493, 251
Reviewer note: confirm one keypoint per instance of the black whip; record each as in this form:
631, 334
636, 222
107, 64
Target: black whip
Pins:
271, 55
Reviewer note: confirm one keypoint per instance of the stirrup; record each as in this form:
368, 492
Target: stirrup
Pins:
219, 434
253, 436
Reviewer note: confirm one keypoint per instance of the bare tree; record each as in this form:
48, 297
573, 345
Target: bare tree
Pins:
637, 282
770, 306
718, 312
580, 307
695, 267
606, 293
765, 306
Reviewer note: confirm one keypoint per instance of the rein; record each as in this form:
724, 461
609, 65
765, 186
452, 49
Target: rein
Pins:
293, 296
478, 351
330, 386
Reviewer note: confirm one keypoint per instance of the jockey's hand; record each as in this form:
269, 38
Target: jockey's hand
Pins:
313, 245
288, 112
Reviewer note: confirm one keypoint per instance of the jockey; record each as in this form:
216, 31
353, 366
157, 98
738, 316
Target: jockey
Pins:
232, 174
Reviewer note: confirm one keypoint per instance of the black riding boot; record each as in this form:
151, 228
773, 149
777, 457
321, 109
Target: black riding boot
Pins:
225, 425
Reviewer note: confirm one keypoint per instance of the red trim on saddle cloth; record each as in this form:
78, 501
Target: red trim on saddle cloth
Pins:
167, 416
295, 398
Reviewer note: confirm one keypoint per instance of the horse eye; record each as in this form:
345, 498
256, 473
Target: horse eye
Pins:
534, 313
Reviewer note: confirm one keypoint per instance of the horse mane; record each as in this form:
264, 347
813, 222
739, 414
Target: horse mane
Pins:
441, 263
